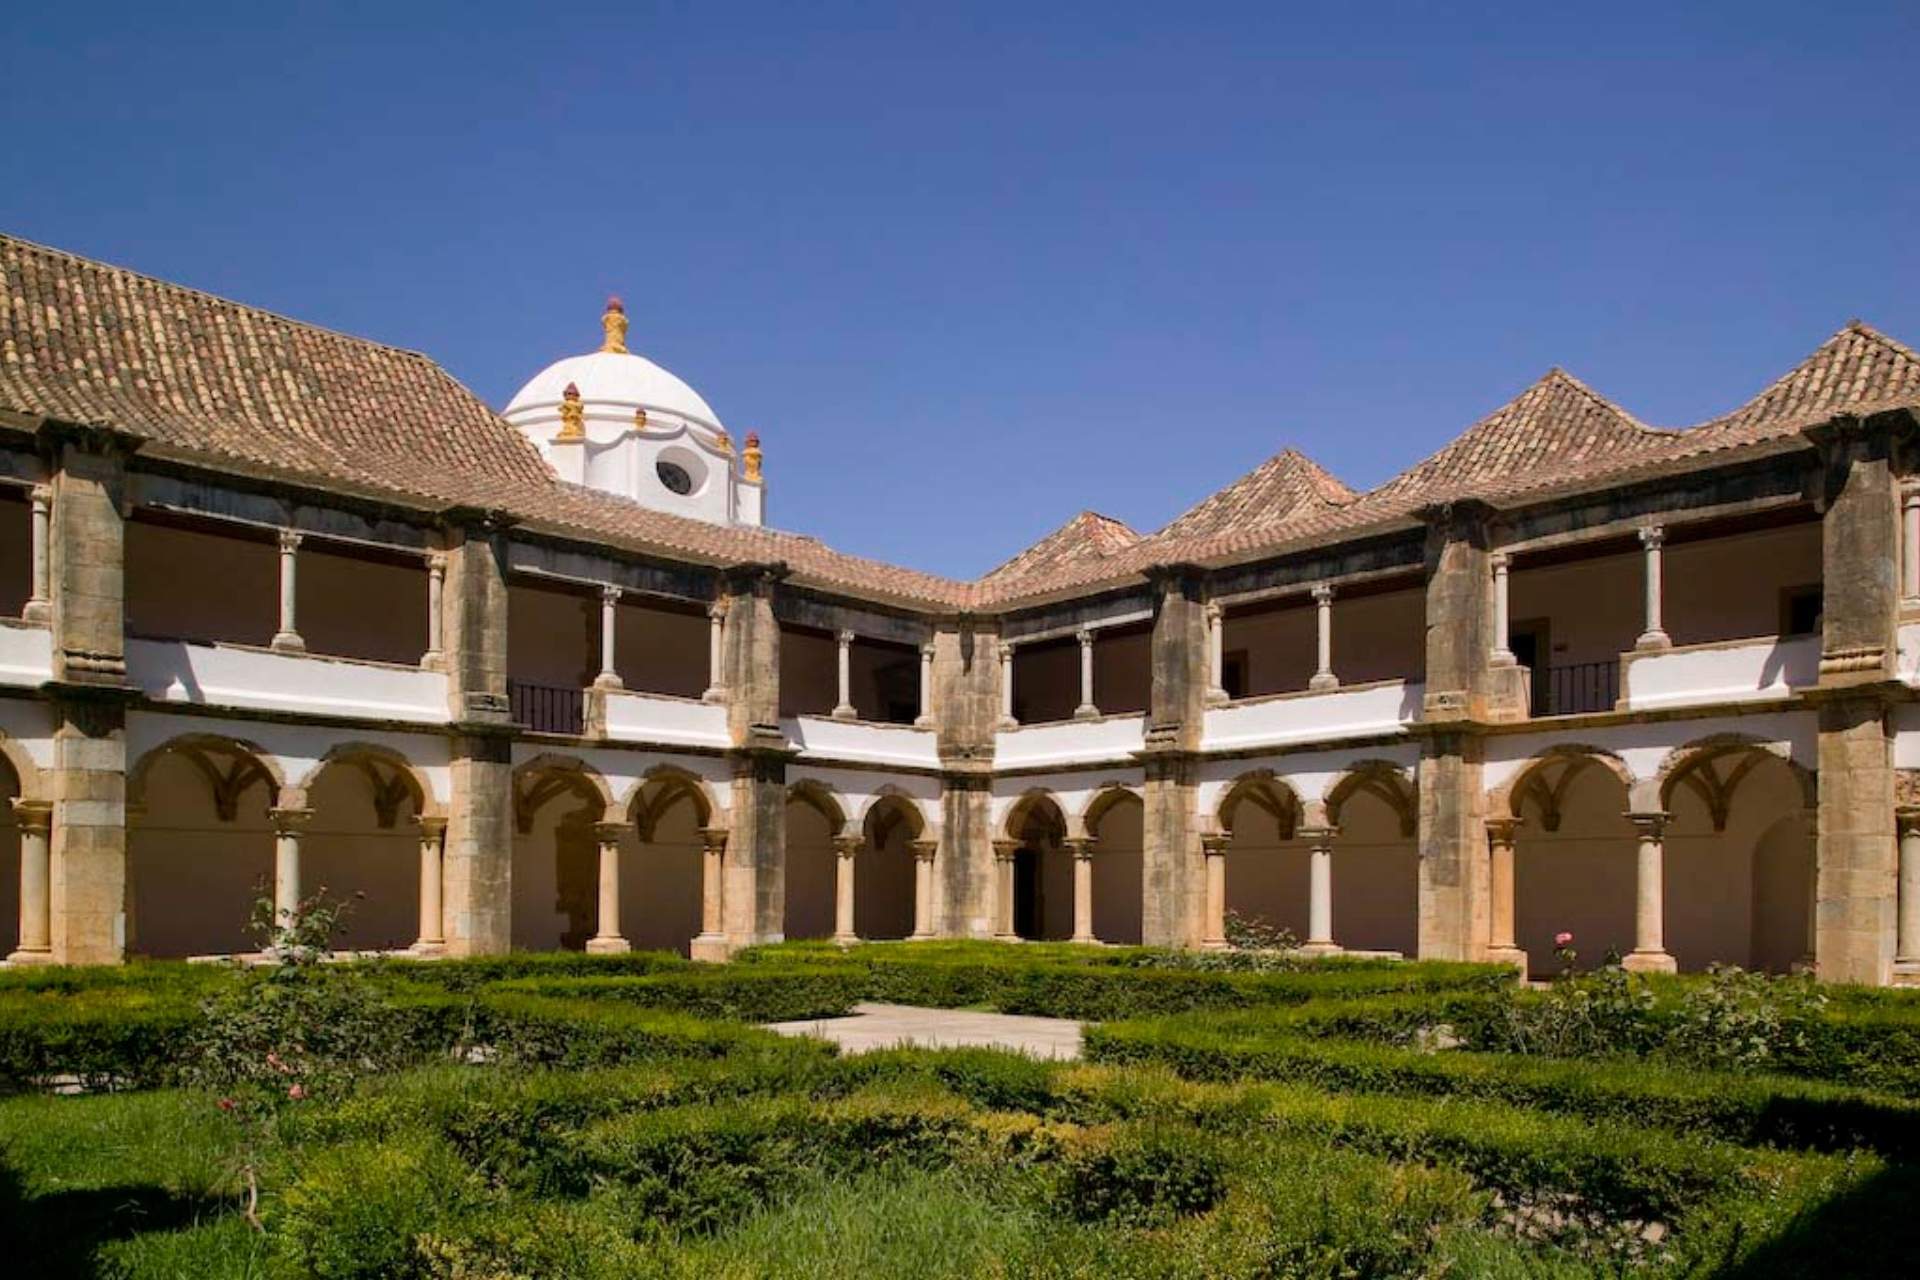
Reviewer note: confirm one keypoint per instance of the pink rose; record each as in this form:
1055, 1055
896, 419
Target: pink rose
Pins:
226, 1104
296, 1092
1562, 939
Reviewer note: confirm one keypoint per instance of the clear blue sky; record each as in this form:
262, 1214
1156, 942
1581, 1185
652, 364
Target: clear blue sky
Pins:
969, 273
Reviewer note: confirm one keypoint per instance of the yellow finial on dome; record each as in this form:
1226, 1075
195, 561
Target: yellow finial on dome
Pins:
723, 441
751, 456
573, 416
639, 419
614, 322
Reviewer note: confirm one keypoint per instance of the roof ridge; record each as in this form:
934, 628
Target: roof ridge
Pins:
174, 286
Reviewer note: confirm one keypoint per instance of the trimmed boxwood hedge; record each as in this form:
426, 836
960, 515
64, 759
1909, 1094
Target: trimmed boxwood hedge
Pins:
739, 995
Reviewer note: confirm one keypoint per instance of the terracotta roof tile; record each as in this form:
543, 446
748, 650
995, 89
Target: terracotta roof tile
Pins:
1089, 536
1284, 486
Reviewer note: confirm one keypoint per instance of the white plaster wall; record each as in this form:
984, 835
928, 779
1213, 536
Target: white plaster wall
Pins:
1366, 711
295, 749
1753, 672
232, 676
1108, 738
646, 717
1906, 736
1311, 774
858, 789
861, 741
26, 653
1644, 747
1073, 792
624, 770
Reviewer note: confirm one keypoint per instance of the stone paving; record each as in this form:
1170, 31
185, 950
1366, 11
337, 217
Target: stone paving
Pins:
888, 1026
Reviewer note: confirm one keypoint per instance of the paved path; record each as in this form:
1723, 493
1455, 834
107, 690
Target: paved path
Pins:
887, 1026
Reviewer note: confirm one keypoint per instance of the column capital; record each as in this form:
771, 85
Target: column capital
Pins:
33, 815
1907, 816
609, 832
926, 650
432, 826
924, 849
1500, 560
41, 495
1081, 847
1322, 593
1004, 850
610, 594
436, 560
1651, 825
1006, 649
713, 839
1652, 535
845, 635
289, 822
1501, 830
717, 611
290, 539
1214, 610
1084, 635
848, 846
1317, 837
1214, 844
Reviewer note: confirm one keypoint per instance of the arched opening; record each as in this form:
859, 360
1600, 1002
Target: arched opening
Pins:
660, 892
1376, 861
1266, 864
200, 848
1116, 821
556, 856
883, 873
1739, 859
363, 846
1042, 869
1574, 861
814, 817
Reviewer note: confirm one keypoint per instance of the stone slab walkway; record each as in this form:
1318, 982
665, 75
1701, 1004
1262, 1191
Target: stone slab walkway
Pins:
889, 1026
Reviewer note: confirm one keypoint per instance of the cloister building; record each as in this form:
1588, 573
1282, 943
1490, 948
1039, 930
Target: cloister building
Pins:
285, 608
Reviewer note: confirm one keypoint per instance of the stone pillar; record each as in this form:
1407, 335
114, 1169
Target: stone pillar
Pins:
1004, 853
967, 701
1910, 540
1501, 948
477, 849
287, 638
609, 677
433, 929
35, 818
1319, 890
1323, 677
1216, 655
1649, 954
607, 938
843, 710
435, 656
925, 719
1081, 849
1502, 637
711, 944
1173, 870
1652, 538
923, 855
288, 826
87, 855
716, 686
1006, 686
1087, 710
39, 606
87, 559
754, 890
845, 849
1214, 847
1906, 950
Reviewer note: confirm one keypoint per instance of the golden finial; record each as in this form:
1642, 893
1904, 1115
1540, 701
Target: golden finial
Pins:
751, 456
614, 322
639, 419
573, 415
725, 441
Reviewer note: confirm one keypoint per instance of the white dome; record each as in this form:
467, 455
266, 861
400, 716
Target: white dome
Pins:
611, 378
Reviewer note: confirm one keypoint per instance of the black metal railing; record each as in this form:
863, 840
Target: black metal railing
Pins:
1577, 688
547, 708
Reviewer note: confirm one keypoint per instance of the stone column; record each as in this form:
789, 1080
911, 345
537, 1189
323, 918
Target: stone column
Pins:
1319, 890
755, 892
1216, 655
288, 826
1323, 677
1502, 655
1501, 948
925, 719
435, 656
1214, 847
476, 866
1086, 710
607, 938
609, 677
287, 638
845, 849
1654, 637
1173, 870
1649, 954
967, 699
433, 929
39, 606
716, 685
1006, 686
1004, 853
36, 908
1906, 951
1081, 849
923, 853
1910, 523
711, 943
844, 710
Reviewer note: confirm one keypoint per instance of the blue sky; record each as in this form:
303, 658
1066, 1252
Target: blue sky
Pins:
971, 271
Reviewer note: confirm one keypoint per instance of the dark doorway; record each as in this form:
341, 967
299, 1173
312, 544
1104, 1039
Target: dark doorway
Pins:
1528, 641
1026, 893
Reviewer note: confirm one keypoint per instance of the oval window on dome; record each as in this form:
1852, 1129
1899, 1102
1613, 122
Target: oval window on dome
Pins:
675, 477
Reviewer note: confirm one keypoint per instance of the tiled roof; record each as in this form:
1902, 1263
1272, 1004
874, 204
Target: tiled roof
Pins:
1088, 537
235, 388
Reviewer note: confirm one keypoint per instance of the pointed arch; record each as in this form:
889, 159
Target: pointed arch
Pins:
1036, 804
1103, 802
1713, 768
1384, 781
229, 766
659, 790
391, 778
1266, 791
1543, 782
822, 799
889, 808
551, 775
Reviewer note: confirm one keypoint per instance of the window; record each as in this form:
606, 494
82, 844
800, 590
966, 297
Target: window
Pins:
1800, 610
675, 477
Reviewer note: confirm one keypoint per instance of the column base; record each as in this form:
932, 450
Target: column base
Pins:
1006, 722
1319, 949
1088, 941
1214, 944
607, 680
1652, 642
613, 946
1086, 711
1906, 973
1509, 955
845, 713
710, 948
1008, 937
1649, 962
1217, 697
714, 694
923, 722
433, 660
1323, 682
287, 642
428, 949
24, 957
928, 936
846, 939
37, 611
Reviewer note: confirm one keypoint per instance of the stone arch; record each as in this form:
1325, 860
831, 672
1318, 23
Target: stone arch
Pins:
822, 799
1713, 768
815, 819
230, 766
552, 774
659, 790
1544, 780
390, 776
669, 813
359, 845
26, 773
885, 873
1384, 781
1036, 803
1115, 820
1087, 821
1036, 826
1266, 790
892, 804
